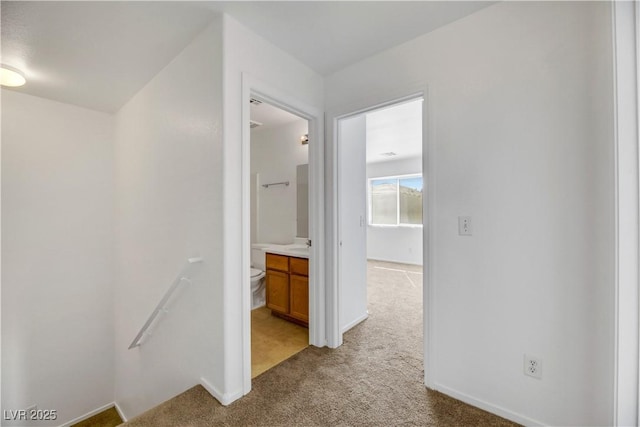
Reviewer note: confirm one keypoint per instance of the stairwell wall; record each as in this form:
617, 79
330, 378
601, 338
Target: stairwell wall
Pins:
57, 257
168, 180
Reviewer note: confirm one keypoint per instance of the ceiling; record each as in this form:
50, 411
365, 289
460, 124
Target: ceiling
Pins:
270, 116
95, 54
99, 54
329, 35
396, 129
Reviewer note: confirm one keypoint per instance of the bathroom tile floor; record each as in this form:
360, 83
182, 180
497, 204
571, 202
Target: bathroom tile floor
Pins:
273, 340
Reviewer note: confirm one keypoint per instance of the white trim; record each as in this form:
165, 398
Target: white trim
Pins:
120, 412
1, 407
334, 335
224, 398
397, 262
637, 52
626, 380
428, 237
355, 322
91, 414
616, 280
494, 409
252, 87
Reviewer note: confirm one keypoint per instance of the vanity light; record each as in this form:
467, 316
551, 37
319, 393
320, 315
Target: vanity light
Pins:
11, 77
304, 139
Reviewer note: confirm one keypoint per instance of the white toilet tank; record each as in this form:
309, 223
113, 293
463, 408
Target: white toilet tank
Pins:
258, 257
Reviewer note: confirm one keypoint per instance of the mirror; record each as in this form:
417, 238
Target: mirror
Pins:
302, 197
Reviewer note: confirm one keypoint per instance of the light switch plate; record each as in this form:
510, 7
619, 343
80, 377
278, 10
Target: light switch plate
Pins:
464, 226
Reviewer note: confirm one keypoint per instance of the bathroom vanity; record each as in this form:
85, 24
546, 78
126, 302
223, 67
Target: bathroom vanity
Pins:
288, 286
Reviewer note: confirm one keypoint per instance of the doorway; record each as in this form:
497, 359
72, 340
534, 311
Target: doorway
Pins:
380, 205
255, 89
279, 199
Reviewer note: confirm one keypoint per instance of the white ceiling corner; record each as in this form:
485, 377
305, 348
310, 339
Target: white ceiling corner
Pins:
99, 54
95, 54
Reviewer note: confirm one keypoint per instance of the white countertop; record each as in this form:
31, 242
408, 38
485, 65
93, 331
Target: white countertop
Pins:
294, 250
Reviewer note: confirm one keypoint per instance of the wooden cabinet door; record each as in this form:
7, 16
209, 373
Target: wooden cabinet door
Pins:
299, 298
278, 291
299, 266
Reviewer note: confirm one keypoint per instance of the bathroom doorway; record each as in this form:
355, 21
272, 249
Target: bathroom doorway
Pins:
253, 88
279, 234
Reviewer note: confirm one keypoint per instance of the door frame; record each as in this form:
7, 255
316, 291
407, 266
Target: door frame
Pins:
255, 88
340, 227
625, 23
334, 333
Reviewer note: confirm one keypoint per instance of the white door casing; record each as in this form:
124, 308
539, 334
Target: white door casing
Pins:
252, 87
352, 225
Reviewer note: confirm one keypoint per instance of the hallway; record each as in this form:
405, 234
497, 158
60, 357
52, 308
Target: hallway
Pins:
375, 378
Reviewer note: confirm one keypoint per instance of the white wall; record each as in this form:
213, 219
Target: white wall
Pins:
57, 263
395, 244
627, 50
275, 153
520, 130
169, 208
245, 52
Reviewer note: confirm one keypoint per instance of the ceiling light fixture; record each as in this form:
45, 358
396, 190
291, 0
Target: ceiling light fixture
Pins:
11, 77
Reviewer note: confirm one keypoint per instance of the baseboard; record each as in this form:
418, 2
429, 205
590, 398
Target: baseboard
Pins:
224, 398
494, 409
355, 322
88, 414
115, 405
395, 261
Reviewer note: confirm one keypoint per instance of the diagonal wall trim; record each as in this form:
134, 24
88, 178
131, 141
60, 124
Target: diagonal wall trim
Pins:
224, 398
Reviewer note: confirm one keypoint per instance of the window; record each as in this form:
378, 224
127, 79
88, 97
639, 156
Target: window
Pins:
395, 200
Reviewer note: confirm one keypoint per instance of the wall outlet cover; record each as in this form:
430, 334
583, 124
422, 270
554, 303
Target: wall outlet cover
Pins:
533, 366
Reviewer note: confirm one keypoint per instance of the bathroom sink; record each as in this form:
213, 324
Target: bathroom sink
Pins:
304, 250
294, 250
295, 246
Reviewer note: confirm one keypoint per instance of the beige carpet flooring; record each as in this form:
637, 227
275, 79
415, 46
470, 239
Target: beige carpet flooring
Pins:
374, 379
273, 340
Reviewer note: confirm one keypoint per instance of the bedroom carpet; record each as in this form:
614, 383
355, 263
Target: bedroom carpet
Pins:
374, 379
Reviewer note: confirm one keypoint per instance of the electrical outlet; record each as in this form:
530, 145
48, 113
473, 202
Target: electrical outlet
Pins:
532, 366
464, 226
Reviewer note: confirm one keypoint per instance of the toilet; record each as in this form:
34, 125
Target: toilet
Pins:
257, 275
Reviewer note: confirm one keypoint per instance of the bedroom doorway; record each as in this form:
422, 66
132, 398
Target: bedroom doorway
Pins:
381, 220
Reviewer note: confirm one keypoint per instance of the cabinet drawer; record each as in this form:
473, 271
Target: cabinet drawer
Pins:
277, 262
299, 266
